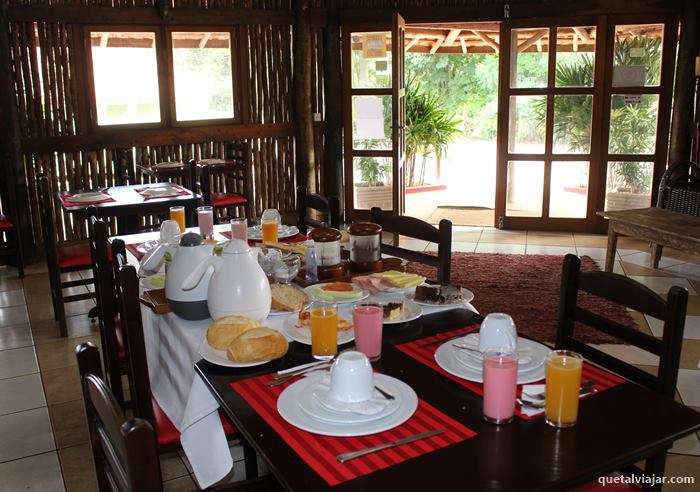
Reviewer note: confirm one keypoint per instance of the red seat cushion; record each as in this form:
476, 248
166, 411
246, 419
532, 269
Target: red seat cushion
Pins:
75, 255
5, 222
120, 338
227, 199
609, 485
166, 432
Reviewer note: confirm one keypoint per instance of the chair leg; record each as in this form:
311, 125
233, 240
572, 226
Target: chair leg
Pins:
251, 460
654, 467
656, 250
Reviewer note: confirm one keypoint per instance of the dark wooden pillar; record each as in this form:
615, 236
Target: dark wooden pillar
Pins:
333, 150
683, 97
11, 164
303, 118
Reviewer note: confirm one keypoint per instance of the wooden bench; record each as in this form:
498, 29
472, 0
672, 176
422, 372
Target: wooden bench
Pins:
659, 226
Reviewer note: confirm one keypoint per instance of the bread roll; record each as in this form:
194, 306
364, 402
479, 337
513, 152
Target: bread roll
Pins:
287, 298
224, 330
257, 344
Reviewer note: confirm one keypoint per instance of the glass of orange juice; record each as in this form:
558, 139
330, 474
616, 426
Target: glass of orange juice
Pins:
269, 222
324, 330
178, 215
563, 373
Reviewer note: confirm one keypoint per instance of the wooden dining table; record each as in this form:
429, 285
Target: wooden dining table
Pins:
616, 427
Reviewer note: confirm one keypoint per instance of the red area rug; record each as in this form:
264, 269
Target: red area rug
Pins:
526, 287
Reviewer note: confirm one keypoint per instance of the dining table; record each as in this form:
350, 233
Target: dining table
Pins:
618, 425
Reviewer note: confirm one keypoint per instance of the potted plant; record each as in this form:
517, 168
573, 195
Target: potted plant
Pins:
374, 189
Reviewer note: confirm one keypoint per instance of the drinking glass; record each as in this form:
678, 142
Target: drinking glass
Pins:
205, 221
178, 215
287, 268
269, 223
368, 321
324, 330
239, 229
268, 259
500, 382
563, 378
170, 233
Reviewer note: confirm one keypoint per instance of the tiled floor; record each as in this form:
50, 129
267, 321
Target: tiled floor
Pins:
43, 438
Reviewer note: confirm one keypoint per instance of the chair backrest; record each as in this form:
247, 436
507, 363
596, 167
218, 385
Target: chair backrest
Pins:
48, 229
104, 289
679, 189
418, 229
329, 207
127, 290
629, 293
124, 169
125, 451
234, 176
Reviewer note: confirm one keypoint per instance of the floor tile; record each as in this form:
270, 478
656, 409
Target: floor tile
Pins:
16, 336
466, 236
10, 283
661, 285
639, 270
687, 270
694, 302
688, 445
34, 473
644, 259
591, 240
630, 354
25, 433
69, 424
500, 248
594, 253
550, 239
463, 247
689, 386
540, 249
690, 354
182, 484
17, 362
641, 322
692, 327
77, 326
171, 466
15, 315
61, 385
678, 465
414, 244
61, 352
21, 393
503, 237
681, 255
78, 468
12, 298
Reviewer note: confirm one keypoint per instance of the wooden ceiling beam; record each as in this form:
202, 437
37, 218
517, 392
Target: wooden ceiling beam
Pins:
583, 34
450, 39
532, 41
413, 42
205, 39
463, 44
436, 46
488, 40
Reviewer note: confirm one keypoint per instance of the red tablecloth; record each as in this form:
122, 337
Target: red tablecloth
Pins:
426, 354
319, 452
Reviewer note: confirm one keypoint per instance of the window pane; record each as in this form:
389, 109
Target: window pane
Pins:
633, 124
371, 122
575, 56
371, 59
373, 182
530, 55
524, 191
527, 124
122, 94
628, 185
202, 72
637, 59
572, 124
568, 192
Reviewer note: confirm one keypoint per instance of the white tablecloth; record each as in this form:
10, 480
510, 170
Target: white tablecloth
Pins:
172, 350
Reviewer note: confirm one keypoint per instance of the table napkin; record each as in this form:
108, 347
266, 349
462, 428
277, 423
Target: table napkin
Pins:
177, 190
101, 197
531, 389
370, 407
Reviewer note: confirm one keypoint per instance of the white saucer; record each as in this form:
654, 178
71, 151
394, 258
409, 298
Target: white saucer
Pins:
467, 297
361, 294
154, 281
283, 232
446, 358
219, 358
314, 408
289, 408
536, 357
303, 334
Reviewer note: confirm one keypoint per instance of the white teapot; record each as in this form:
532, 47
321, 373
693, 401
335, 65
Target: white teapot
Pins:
238, 284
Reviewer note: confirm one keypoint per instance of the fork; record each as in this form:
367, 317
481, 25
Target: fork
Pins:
289, 377
540, 396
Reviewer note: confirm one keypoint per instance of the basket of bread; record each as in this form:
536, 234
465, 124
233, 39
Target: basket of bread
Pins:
239, 341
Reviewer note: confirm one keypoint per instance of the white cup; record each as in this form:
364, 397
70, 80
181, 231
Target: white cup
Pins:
352, 379
498, 331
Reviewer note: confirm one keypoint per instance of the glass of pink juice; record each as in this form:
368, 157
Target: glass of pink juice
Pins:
239, 229
368, 320
205, 221
500, 380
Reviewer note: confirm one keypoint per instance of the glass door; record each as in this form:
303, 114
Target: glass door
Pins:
373, 118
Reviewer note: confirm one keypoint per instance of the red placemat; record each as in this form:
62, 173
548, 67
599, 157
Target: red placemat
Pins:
426, 354
177, 191
134, 250
296, 238
319, 452
66, 200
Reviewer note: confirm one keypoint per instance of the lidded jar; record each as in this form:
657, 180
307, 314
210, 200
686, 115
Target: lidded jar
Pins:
327, 244
365, 244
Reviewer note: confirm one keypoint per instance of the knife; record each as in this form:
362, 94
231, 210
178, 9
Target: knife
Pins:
415, 437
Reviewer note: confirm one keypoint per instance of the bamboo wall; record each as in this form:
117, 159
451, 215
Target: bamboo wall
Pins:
53, 108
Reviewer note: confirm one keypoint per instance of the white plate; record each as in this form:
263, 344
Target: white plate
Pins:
446, 359
538, 354
410, 311
303, 334
277, 312
283, 231
89, 197
312, 407
147, 246
467, 297
361, 294
290, 410
150, 281
219, 358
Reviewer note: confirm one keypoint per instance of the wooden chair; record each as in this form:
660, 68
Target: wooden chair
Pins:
63, 258
629, 293
111, 334
124, 169
9, 243
124, 450
328, 207
228, 185
418, 229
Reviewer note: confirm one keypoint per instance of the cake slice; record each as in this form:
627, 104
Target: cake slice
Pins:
392, 310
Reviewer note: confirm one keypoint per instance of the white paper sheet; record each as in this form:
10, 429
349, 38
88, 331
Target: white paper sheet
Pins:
369, 118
